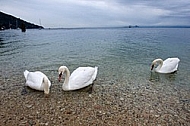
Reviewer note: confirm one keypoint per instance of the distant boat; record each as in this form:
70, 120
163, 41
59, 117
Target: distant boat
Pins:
23, 27
2, 28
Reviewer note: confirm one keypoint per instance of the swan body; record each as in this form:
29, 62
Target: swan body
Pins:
80, 78
37, 80
169, 65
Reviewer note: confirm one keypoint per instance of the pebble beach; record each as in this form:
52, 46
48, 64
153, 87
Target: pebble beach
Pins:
108, 105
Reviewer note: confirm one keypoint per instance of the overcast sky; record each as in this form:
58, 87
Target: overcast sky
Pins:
99, 13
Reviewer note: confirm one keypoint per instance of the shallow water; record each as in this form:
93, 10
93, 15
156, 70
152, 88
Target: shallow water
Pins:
126, 91
122, 54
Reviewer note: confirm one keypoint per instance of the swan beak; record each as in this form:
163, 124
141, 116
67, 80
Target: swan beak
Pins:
60, 75
152, 67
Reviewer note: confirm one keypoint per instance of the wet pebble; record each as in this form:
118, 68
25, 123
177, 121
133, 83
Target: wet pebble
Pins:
121, 99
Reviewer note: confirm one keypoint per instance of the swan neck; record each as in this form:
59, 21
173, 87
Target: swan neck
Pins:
67, 75
160, 61
46, 85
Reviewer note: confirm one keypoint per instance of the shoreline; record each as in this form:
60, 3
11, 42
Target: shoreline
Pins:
110, 104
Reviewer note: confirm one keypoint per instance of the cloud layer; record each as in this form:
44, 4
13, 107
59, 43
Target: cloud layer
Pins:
98, 13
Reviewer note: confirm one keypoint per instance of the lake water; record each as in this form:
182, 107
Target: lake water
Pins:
123, 55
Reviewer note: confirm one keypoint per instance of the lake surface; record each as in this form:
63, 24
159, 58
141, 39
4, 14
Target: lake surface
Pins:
123, 55
126, 92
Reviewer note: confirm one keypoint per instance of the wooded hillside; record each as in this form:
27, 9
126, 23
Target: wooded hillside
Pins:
11, 22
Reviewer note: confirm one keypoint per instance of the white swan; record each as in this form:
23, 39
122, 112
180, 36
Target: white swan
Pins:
37, 80
80, 78
167, 66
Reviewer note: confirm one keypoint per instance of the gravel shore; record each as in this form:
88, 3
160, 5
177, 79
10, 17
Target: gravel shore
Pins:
114, 103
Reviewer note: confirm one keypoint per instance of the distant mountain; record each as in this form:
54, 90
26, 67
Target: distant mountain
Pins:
11, 22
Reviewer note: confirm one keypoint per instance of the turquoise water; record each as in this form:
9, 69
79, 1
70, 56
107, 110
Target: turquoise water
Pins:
123, 55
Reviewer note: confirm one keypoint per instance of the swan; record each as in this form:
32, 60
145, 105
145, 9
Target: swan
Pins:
169, 65
80, 78
37, 80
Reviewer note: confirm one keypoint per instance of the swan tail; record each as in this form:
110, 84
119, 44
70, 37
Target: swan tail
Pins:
26, 72
95, 73
46, 85
178, 60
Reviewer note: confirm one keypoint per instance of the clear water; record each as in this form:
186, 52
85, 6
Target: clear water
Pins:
123, 55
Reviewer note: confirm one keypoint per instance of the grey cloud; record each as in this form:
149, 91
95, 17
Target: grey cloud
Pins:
93, 13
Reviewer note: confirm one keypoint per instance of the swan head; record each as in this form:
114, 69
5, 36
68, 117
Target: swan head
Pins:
156, 62
61, 70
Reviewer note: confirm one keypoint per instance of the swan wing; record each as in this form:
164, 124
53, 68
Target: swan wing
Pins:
82, 77
169, 65
34, 80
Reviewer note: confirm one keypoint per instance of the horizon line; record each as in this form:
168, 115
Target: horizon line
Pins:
130, 26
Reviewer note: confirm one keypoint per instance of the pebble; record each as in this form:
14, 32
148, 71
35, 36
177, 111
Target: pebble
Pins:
157, 116
28, 106
121, 99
